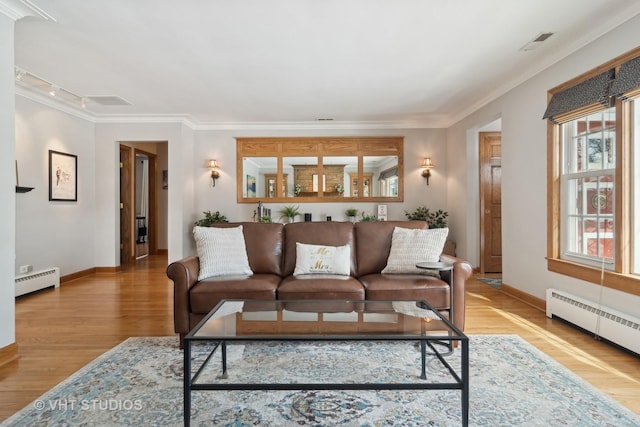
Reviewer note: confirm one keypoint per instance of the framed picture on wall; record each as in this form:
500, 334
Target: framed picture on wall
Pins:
63, 176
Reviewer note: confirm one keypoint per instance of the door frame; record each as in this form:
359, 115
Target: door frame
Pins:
482, 148
153, 204
126, 225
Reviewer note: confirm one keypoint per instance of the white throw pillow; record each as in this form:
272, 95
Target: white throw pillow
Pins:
222, 252
320, 259
409, 247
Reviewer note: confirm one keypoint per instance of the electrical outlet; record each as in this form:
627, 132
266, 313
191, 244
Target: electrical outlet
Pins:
25, 268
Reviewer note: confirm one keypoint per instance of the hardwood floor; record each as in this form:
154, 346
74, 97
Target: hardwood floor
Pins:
59, 331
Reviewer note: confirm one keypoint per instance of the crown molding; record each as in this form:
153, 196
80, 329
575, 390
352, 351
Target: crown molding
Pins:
18, 9
53, 103
144, 118
315, 125
434, 122
280, 125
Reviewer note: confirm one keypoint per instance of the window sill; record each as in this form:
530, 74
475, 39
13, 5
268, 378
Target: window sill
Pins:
622, 282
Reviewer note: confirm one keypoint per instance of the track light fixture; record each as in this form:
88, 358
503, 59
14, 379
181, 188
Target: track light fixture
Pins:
20, 74
35, 83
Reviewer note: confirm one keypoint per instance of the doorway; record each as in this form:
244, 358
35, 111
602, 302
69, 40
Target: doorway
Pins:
139, 232
490, 144
145, 204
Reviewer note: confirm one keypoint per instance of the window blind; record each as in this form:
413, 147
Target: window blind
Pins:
388, 173
627, 82
593, 93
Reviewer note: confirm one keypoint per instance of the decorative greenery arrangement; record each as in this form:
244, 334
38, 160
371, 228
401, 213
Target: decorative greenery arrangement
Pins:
289, 212
366, 217
297, 189
340, 188
264, 219
351, 212
211, 218
437, 219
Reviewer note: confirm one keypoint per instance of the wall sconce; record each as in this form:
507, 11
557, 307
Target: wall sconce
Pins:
215, 174
427, 164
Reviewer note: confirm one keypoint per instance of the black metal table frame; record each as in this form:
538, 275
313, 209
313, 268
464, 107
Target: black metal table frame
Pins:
439, 267
461, 381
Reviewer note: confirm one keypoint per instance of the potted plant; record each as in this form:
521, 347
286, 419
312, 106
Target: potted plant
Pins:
366, 217
437, 219
351, 213
264, 219
340, 189
290, 212
211, 218
297, 189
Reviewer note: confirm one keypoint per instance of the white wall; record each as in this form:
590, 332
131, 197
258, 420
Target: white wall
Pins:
7, 186
53, 233
162, 196
179, 198
524, 183
190, 192
221, 145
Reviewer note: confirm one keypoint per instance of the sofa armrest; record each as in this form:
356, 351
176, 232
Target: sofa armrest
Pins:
184, 274
461, 272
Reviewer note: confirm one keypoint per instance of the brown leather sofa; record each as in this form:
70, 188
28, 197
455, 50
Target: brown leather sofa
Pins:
271, 252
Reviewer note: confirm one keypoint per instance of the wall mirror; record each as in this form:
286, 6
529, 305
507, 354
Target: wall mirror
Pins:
324, 169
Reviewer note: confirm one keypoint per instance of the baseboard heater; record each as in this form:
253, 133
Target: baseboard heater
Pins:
36, 280
604, 322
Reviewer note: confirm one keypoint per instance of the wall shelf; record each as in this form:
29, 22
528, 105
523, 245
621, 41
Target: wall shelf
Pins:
23, 189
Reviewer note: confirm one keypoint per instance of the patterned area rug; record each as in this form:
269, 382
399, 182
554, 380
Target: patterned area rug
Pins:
139, 383
493, 282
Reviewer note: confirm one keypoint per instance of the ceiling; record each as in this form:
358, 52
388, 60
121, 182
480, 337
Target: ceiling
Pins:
413, 63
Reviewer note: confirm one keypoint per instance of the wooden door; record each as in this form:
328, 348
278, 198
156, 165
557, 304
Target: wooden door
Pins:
270, 189
126, 235
366, 184
490, 202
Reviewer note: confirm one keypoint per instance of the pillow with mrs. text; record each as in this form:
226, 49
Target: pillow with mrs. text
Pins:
222, 252
411, 246
321, 259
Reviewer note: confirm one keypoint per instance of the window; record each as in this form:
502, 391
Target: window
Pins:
594, 178
588, 148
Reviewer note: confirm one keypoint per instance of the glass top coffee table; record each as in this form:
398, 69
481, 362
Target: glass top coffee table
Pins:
250, 322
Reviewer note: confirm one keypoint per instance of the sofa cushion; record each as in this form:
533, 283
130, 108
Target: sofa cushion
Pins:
264, 244
373, 243
316, 233
409, 247
320, 286
206, 294
221, 252
322, 259
414, 287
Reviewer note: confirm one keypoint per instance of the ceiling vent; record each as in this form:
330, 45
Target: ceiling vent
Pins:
109, 101
536, 41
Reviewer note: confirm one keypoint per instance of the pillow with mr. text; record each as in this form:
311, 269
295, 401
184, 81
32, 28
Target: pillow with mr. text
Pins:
222, 252
409, 247
320, 259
